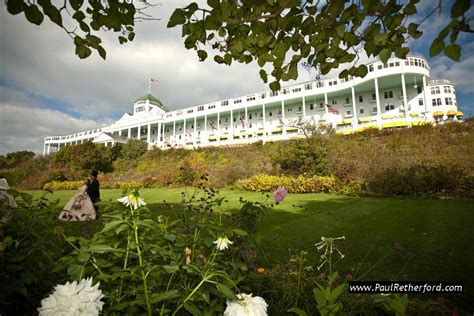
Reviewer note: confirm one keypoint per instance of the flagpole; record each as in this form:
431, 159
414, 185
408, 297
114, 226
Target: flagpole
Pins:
149, 84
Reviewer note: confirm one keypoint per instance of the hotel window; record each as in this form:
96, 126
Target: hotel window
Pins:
433, 102
348, 101
224, 103
388, 94
300, 108
270, 114
397, 63
371, 68
201, 108
250, 116
192, 126
380, 67
361, 110
297, 90
361, 98
250, 98
321, 105
348, 112
334, 101
289, 109
190, 111
211, 107
226, 119
420, 101
374, 109
373, 96
447, 89
263, 95
449, 101
419, 89
237, 101
308, 86
390, 64
438, 101
261, 114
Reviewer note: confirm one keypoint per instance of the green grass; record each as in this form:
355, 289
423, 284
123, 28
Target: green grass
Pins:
436, 235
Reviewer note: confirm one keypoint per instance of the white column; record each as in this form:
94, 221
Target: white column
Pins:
325, 107
219, 132
59, 146
194, 131
129, 133
158, 136
246, 121
49, 148
304, 107
44, 149
206, 139
184, 132
139, 134
148, 134
377, 100
283, 128
174, 131
355, 121
405, 101
264, 136
120, 132
232, 124
425, 99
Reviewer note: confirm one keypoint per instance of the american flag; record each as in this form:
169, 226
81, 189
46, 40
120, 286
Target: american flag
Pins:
242, 121
213, 125
154, 81
280, 118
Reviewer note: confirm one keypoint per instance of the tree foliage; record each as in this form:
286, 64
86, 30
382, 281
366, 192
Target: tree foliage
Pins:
81, 20
133, 149
322, 35
85, 157
16, 158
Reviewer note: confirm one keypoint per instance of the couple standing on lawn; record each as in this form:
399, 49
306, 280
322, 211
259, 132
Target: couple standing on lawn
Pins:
82, 206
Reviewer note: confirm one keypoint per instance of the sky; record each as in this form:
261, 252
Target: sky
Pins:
45, 90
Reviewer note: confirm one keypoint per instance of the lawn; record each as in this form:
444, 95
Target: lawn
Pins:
435, 235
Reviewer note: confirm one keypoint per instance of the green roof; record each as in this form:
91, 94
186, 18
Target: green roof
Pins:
152, 100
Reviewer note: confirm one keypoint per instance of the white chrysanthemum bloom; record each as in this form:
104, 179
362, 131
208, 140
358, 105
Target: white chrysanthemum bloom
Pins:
73, 299
222, 243
132, 198
247, 305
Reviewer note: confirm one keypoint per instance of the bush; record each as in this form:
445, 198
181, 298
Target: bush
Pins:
64, 185
300, 184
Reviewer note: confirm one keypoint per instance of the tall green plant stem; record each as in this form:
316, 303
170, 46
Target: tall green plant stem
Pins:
125, 263
140, 261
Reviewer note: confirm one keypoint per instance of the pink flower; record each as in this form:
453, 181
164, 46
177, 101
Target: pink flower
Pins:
279, 194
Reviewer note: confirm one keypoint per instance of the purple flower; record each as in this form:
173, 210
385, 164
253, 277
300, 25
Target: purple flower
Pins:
279, 194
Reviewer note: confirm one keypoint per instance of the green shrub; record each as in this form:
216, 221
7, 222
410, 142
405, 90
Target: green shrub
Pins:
64, 185
300, 184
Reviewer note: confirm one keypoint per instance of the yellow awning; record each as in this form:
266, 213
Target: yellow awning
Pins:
459, 113
438, 113
414, 113
451, 113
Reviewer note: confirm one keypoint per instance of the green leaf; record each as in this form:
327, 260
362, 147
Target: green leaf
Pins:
224, 289
275, 86
193, 309
122, 39
76, 4
385, 54
171, 268
170, 237
361, 71
26, 197
103, 248
178, 17
120, 306
409, 9
319, 296
131, 36
79, 16
168, 295
380, 39
84, 27
297, 311
111, 225
202, 55
102, 52
14, 7
33, 14
337, 292
459, 8
74, 271
54, 15
436, 47
453, 51
239, 231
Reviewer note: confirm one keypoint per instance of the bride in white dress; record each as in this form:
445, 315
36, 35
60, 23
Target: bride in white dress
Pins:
79, 207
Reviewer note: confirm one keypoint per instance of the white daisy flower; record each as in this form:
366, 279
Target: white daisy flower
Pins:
247, 305
222, 243
132, 198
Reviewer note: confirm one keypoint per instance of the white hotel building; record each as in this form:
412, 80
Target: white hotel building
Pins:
398, 94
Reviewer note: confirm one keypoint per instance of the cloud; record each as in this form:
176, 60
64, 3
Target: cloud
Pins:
24, 123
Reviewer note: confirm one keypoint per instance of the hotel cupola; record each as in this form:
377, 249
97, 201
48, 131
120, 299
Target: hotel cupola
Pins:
148, 104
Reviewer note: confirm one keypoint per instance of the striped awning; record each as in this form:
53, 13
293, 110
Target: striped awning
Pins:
451, 113
438, 113
459, 114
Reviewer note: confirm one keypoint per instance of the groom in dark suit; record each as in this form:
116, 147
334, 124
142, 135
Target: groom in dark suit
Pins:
93, 190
